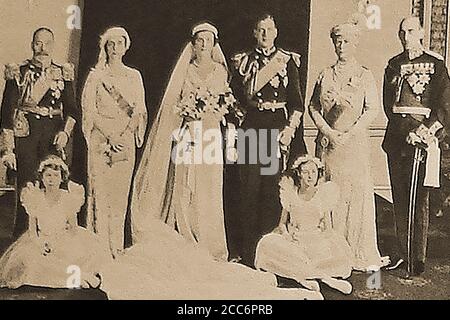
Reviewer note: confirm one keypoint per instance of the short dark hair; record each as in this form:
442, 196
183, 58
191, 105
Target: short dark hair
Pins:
55, 163
262, 18
43, 29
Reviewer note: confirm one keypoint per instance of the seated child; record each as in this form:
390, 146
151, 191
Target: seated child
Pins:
55, 252
305, 247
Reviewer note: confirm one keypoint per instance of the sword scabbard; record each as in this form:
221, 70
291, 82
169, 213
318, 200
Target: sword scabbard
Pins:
418, 158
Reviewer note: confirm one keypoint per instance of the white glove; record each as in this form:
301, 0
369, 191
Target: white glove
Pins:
9, 160
286, 136
61, 140
232, 154
413, 139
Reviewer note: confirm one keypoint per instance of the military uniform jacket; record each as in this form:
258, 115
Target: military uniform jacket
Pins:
421, 82
280, 84
28, 86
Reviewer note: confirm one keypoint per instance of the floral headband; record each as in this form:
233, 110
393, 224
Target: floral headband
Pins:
307, 158
53, 161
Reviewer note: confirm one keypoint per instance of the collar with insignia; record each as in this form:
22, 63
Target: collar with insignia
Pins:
266, 52
38, 65
33, 65
415, 53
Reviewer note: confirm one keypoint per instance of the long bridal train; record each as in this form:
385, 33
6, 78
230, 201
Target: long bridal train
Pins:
165, 266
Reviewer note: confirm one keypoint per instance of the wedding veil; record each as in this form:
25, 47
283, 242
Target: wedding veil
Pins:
153, 186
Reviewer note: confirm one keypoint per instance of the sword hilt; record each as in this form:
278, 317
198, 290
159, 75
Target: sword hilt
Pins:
419, 155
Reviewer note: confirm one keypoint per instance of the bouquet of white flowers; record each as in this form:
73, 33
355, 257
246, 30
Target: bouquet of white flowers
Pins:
204, 101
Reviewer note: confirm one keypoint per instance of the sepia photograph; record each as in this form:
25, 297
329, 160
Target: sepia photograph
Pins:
230, 151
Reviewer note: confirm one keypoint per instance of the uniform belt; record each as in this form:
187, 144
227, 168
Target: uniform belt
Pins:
42, 111
422, 111
271, 106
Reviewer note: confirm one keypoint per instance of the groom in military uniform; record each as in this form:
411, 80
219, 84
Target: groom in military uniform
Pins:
38, 113
267, 85
417, 104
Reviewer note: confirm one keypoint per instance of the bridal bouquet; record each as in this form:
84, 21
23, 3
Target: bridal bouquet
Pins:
204, 101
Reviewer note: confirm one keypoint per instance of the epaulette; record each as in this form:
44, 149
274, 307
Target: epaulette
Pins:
434, 54
12, 71
296, 57
68, 71
240, 60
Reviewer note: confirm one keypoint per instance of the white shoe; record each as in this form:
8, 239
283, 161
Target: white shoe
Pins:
396, 265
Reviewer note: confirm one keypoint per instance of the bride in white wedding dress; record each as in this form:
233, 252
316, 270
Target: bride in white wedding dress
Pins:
178, 231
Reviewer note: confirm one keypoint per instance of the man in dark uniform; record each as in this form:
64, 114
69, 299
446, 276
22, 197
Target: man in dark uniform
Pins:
38, 113
267, 84
417, 104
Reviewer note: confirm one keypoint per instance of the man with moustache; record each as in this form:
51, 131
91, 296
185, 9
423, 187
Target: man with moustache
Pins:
417, 105
267, 85
38, 113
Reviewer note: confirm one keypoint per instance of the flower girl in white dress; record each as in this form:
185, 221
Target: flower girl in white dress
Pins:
55, 248
305, 247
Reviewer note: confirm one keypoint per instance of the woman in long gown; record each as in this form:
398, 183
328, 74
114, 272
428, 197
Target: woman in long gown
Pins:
344, 103
54, 247
305, 247
114, 124
164, 263
189, 171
